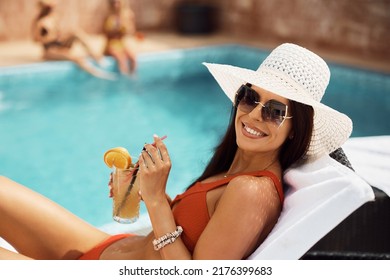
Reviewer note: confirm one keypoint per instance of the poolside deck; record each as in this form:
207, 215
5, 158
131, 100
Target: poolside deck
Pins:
24, 52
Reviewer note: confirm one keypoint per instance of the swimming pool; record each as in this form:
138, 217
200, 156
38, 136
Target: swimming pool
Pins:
56, 122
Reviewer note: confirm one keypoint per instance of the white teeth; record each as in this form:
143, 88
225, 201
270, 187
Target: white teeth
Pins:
253, 132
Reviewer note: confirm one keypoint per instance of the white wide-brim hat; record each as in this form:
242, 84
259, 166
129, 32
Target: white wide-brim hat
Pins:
298, 74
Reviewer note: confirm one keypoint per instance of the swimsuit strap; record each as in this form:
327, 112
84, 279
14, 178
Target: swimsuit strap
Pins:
205, 187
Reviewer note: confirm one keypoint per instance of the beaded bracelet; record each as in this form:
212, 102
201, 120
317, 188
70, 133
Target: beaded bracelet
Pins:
167, 238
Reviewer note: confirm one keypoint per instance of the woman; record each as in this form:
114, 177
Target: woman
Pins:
277, 122
118, 24
57, 45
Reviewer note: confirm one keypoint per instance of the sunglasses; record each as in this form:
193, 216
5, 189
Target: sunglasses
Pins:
273, 111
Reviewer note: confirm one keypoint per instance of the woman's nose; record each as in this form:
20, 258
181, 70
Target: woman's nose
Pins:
256, 113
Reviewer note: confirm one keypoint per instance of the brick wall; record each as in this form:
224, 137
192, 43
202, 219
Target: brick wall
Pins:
361, 27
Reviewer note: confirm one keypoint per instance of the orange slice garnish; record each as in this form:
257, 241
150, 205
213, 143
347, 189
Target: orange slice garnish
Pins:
118, 157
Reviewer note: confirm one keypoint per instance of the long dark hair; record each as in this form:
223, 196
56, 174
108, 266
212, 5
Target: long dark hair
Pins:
293, 149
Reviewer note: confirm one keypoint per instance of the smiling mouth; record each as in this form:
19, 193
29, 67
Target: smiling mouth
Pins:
252, 132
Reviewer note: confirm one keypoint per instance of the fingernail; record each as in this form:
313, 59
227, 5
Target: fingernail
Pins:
155, 136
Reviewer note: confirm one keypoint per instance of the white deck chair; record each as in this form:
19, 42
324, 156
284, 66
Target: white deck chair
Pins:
322, 193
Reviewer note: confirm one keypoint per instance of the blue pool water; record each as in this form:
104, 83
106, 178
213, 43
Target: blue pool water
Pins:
56, 121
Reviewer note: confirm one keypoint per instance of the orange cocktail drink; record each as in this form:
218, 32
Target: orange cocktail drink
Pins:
124, 185
126, 199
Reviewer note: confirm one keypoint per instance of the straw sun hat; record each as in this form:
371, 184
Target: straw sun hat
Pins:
298, 74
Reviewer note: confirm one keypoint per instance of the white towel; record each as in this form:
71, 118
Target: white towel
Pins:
370, 157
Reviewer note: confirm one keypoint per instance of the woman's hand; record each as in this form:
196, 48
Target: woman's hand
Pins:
154, 168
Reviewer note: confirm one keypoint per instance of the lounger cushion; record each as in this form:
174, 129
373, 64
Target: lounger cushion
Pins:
320, 195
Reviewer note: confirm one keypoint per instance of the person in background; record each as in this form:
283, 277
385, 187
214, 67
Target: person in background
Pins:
277, 122
57, 44
120, 23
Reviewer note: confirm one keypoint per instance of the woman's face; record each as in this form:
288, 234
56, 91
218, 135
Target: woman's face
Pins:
255, 134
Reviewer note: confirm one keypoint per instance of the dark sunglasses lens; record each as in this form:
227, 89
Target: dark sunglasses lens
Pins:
274, 111
247, 99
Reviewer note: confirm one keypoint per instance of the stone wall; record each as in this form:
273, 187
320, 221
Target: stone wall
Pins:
361, 27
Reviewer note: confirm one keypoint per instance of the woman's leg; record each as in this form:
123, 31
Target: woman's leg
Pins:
9, 255
82, 62
131, 57
38, 228
121, 59
115, 49
82, 37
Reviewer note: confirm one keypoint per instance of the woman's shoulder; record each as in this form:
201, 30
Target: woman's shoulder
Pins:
271, 177
250, 181
248, 193
255, 188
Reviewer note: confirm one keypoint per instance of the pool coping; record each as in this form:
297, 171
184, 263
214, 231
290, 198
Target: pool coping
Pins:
27, 51
32, 67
